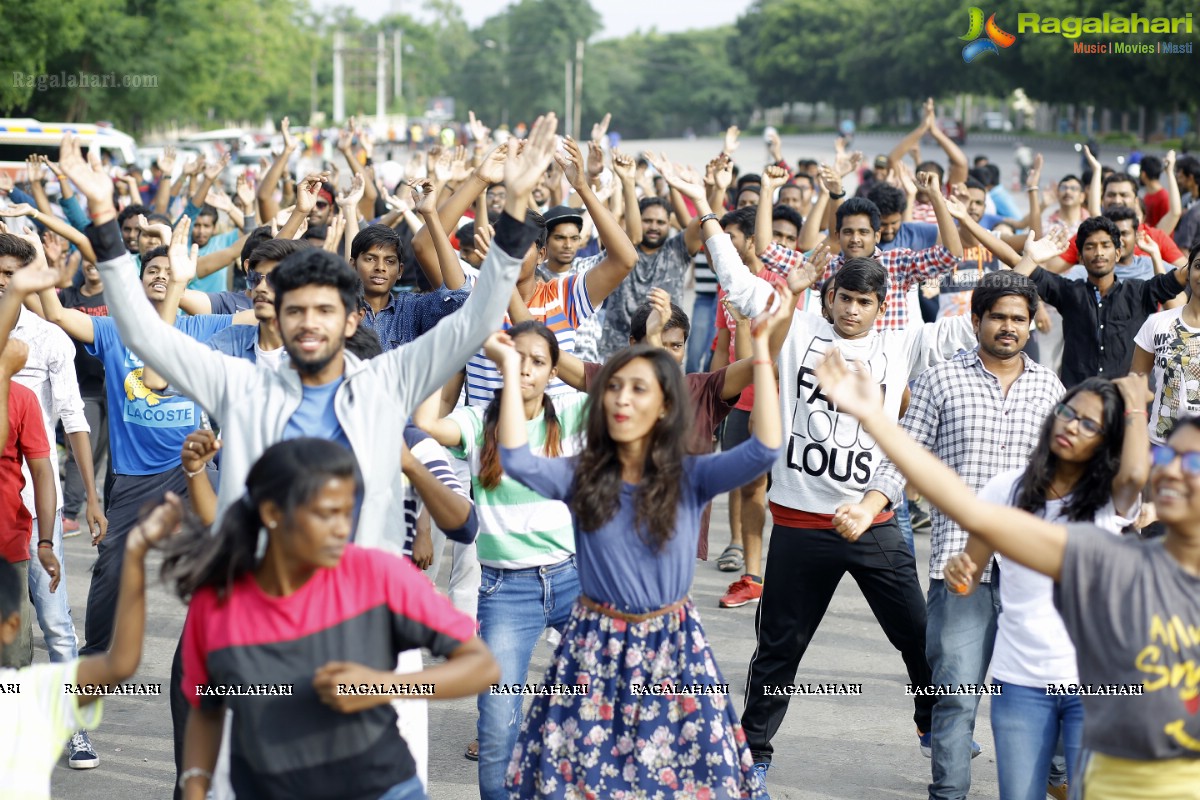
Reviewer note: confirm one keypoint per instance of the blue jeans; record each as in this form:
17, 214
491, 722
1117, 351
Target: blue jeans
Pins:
904, 520
1025, 726
411, 789
704, 328
515, 607
959, 635
53, 609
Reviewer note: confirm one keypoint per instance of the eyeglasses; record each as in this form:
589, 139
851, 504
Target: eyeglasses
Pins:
1088, 427
1162, 456
255, 278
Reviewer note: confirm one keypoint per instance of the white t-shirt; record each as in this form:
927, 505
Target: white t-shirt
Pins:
271, 359
39, 717
1176, 350
1032, 647
829, 459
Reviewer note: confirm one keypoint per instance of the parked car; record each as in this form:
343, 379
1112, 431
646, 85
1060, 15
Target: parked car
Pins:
995, 121
954, 129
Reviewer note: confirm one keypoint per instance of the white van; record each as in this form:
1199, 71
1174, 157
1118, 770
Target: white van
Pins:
20, 138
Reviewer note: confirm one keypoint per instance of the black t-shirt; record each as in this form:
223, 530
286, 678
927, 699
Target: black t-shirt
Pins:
88, 368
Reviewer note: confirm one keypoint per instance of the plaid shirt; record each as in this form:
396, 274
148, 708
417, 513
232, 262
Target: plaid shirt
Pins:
905, 267
959, 412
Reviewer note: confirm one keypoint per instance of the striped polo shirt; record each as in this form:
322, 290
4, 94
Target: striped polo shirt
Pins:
367, 609
560, 305
518, 528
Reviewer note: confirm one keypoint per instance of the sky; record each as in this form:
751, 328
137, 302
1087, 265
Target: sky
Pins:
621, 17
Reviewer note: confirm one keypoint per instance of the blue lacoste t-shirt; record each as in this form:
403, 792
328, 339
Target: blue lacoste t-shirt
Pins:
146, 429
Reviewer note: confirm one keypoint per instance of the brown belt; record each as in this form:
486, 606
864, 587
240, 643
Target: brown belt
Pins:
608, 611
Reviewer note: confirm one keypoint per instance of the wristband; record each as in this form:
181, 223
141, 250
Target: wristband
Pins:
45, 543
838, 196
193, 772
192, 474
707, 217
1141, 411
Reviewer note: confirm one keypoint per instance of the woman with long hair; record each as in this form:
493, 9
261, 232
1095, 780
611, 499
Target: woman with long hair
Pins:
529, 580
642, 703
1089, 465
1131, 607
297, 631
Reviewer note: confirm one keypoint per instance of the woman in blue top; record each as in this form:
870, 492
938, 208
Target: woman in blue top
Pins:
653, 709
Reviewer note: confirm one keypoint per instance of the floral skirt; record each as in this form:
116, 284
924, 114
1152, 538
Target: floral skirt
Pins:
637, 710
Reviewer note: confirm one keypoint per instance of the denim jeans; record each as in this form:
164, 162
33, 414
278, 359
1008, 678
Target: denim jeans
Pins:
1025, 726
53, 609
515, 607
904, 520
959, 636
704, 328
411, 789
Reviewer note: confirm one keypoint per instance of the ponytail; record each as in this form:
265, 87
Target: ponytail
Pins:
198, 558
490, 471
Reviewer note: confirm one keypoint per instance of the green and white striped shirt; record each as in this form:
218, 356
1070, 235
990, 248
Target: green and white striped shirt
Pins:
518, 528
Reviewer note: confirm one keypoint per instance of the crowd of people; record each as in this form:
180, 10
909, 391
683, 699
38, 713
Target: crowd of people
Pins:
316, 393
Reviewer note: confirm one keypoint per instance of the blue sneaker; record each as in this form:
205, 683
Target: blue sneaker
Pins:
759, 771
926, 740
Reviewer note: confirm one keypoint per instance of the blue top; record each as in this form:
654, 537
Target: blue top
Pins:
1005, 205
409, 315
146, 429
911, 236
616, 566
229, 302
237, 341
316, 416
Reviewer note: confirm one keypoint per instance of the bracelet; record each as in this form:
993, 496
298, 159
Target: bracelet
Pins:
707, 217
193, 772
1141, 411
838, 196
45, 543
192, 474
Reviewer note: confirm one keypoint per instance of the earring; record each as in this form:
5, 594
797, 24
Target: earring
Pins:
260, 547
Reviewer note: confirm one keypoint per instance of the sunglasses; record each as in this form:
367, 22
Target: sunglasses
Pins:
1162, 456
322, 204
255, 278
1088, 427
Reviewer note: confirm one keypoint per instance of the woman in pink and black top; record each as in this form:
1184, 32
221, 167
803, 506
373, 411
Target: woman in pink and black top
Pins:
297, 632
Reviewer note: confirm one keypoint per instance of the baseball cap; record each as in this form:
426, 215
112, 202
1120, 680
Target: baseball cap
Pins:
882, 162
562, 214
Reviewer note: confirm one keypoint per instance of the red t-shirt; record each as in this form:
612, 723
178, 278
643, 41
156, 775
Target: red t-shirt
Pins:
26, 440
1157, 206
1165, 244
726, 322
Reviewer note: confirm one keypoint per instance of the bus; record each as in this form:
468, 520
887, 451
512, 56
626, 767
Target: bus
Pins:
20, 138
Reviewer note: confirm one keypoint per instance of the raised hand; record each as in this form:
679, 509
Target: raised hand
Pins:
166, 162
932, 185
289, 141
346, 137
199, 448
500, 349
480, 133
34, 171
308, 189
245, 192
213, 171
350, 198
483, 239
334, 232
525, 169
849, 387
89, 177
676, 179
36, 277
956, 208
623, 166
595, 160
1169, 162
775, 146
907, 181
18, 210
723, 172
1135, 390
600, 129
442, 171
192, 167
180, 258
1150, 247
570, 160
491, 169
1033, 179
660, 300
845, 163
811, 270
776, 312
930, 114
831, 180
424, 197
218, 199
1092, 161
459, 171
1054, 242
731, 140
159, 229
772, 178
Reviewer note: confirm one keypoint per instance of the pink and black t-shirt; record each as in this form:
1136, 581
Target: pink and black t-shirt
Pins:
366, 610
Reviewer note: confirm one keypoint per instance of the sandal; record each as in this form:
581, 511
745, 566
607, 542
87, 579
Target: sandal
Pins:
472, 753
731, 558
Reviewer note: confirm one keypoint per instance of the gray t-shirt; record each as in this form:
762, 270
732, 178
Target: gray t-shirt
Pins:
1134, 616
665, 268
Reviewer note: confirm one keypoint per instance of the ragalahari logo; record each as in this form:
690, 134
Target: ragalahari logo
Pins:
991, 43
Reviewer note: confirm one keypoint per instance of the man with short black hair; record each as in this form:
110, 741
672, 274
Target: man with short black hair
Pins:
893, 230
1187, 232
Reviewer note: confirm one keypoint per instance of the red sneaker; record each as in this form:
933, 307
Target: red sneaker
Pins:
740, 592
70, 526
